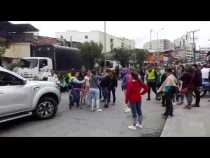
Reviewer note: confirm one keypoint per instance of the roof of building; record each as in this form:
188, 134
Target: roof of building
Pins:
9, 27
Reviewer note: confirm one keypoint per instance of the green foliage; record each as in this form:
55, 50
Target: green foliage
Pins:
125, 56
91, 52
140, 56
122, 55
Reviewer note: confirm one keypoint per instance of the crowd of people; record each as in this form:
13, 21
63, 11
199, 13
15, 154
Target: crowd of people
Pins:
91, 88
174, 83
171, 85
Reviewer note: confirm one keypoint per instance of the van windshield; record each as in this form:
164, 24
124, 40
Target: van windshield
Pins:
29, 63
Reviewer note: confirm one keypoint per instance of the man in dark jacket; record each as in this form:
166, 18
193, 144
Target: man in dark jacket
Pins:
197, 82
112, 86
105, 88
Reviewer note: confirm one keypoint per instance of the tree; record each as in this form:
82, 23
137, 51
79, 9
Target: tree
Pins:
140, 56
122, 55
90, 52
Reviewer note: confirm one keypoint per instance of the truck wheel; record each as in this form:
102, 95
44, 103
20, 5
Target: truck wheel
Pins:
46, 108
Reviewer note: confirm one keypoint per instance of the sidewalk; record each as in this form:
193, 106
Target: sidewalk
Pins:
189, 123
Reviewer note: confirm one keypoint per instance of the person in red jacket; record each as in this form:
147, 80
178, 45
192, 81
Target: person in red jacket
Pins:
133, 97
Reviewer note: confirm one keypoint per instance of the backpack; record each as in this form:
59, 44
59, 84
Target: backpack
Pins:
125, 81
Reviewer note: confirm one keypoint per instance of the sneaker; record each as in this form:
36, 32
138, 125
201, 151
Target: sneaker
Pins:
127, 110
148, 99
139, 125
132, 127
196, 105
187, 107
173, 103
106, 106
99, 110
164, 116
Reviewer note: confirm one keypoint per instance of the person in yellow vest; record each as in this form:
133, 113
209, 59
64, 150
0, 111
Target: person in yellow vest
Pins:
151, 78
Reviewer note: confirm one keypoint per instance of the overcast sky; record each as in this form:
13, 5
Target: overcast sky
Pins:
136, 30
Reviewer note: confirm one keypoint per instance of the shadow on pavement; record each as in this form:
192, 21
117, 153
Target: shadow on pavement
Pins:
16, 123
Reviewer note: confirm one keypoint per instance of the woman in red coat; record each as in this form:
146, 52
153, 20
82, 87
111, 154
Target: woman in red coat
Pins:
133, 97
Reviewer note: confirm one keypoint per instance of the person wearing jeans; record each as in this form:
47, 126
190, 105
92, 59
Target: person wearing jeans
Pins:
94, 92
133, 97
94, 99
189, 97
136, 113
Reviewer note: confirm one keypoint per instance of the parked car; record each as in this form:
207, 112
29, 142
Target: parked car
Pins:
20, 97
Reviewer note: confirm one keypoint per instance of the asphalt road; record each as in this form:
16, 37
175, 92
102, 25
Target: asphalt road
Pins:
111, 122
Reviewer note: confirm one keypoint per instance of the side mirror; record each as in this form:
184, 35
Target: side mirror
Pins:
23, 82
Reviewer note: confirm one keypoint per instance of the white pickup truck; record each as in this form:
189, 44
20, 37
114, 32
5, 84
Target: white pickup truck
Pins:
20, 97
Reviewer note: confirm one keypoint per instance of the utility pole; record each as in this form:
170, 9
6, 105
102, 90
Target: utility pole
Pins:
150, 44
105, 42
193, 33
158, 53
158, 46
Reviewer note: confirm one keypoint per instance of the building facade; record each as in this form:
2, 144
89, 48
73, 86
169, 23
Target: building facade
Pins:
19, 38
97, 37
18, 50
158, 45
203, 53
185, 42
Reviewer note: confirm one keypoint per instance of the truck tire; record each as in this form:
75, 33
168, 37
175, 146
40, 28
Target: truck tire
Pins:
46, 108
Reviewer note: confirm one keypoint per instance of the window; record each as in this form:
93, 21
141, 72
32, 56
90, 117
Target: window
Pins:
8, 79
42, 63
122, 45
29, 63
86, 36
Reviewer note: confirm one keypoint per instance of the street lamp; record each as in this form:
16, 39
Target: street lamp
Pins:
158, 45
105, 43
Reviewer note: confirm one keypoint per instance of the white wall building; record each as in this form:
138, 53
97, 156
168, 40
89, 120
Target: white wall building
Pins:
185, 42
159, 45
98, 37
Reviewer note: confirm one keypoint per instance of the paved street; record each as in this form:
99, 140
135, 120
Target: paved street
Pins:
81, 122
189, 123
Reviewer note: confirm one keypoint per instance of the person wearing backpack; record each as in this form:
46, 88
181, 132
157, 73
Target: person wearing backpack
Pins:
134, 99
